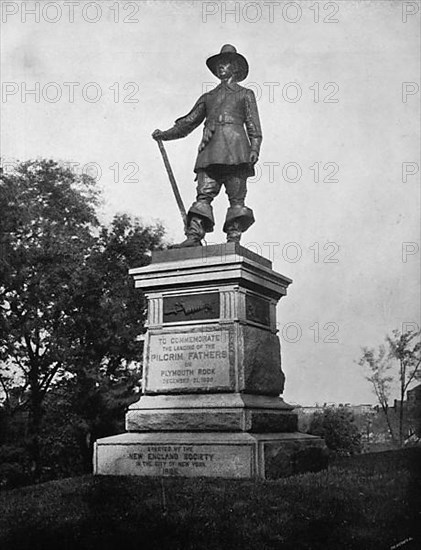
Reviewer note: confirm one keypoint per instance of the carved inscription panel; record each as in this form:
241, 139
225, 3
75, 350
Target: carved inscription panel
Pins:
211, 460
188, 360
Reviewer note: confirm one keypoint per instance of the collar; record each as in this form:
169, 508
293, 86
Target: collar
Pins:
233, 86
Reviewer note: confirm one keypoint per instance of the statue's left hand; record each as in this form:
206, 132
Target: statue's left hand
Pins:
254, 157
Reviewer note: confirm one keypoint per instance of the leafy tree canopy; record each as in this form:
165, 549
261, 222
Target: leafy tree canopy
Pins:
69, 310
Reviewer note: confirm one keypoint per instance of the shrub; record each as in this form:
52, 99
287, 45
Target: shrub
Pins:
14, 466
338, 429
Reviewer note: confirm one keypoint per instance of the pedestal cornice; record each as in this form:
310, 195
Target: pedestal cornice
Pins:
201, 267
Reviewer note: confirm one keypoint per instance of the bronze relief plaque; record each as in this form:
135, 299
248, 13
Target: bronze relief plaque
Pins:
257, 310
191, 307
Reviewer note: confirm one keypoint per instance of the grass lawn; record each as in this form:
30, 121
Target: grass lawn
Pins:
368, 502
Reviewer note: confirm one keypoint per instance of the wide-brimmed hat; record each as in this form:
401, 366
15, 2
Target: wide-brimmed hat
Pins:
229, 53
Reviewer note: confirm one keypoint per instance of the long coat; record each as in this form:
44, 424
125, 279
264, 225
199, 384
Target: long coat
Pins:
232, 127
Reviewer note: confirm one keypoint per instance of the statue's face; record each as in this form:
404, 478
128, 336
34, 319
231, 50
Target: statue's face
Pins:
225, 70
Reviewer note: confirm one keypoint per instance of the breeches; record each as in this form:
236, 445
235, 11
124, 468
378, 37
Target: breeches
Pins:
209, 186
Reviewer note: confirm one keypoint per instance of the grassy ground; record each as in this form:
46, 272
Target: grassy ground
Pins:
369, 502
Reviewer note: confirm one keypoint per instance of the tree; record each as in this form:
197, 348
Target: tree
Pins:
106, 336
338, 429
398, 361
48, 214
69, 312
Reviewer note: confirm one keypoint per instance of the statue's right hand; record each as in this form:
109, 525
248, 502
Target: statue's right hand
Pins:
158, 134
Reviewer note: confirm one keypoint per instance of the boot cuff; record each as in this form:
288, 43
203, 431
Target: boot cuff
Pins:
241, 214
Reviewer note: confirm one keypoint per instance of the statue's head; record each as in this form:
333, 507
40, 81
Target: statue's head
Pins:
226, 69
228, 60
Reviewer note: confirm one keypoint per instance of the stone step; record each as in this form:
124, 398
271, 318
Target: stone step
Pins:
223, 455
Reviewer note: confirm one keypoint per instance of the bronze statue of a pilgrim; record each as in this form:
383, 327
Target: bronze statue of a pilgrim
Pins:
229, 148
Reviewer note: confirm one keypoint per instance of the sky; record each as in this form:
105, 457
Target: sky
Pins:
336, 195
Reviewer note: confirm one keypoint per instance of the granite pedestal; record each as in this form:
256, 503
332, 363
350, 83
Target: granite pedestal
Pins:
210, 403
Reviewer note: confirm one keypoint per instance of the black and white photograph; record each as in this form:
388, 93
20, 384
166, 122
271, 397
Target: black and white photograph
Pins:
210, 307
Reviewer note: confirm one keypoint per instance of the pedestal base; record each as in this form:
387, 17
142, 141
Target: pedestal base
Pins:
211, 413
212, 374
214, 454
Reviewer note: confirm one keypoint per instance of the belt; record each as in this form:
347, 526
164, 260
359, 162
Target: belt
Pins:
224, 118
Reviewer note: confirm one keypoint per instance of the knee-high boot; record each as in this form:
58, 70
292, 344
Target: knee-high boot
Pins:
194, 233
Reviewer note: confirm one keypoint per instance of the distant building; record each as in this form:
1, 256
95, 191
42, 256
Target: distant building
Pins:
309, 410
364, 408
414, 396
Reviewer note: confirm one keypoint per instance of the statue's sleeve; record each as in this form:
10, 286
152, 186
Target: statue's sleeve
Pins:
186, 124
254, 130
